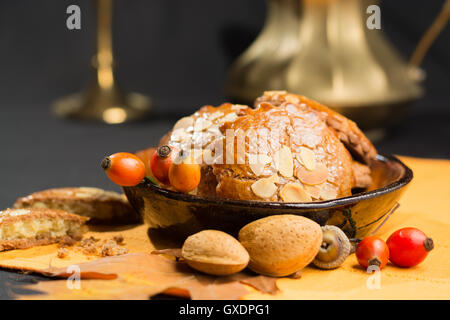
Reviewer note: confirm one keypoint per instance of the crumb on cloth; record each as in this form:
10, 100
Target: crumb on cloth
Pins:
111, 248
62, 253
93, 247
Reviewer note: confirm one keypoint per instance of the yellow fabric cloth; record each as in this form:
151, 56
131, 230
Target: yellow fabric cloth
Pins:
425, 205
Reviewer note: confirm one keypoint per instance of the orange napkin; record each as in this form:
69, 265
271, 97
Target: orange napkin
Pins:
425, 205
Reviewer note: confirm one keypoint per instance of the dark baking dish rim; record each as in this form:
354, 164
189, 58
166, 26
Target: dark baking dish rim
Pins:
403, 181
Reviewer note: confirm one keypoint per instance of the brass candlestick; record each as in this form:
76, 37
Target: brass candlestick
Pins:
103, 100
322, 49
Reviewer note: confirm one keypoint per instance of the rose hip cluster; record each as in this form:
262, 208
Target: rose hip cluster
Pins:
406, 247
168, 166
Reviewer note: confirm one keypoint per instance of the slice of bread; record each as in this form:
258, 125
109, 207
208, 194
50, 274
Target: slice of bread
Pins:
25, 228
102, 207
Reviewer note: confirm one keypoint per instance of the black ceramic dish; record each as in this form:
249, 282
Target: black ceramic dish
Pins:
184, 214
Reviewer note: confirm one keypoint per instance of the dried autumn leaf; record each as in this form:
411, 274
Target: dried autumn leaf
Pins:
139, 276
90, 290
294, 192
174, 253
318, 176
263, 284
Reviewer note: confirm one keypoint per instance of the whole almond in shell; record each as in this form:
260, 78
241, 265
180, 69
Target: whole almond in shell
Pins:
281, 245
214, 252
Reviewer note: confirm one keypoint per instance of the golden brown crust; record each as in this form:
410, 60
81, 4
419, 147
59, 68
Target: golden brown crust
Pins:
103, 207
347, 130
362, 176
305, 147
9, 216
291, 126
26, 243
185, 135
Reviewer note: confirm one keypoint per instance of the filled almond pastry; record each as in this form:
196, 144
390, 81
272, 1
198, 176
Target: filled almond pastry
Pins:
287, 148
25, 228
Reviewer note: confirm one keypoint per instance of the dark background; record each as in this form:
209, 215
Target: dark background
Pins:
178, 53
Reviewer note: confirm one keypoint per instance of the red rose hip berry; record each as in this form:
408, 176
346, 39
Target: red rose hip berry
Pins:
160, 163
124, 169
408, 247
372, 251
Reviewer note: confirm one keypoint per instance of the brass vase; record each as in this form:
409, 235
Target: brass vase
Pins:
323, 49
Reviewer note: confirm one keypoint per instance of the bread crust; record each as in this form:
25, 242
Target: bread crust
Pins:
9, 216
28, 243
102, 207
346, 130
361, 172
294, 125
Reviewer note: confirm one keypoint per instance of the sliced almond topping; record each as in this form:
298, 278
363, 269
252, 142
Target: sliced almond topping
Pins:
284, 161
274, 178
313, 191
260, 166
257, 168
238, 107
178, 135
264, 159
255, 165
306, 156
215, 115
82, 195
258, 162
274, 92
202, 124
230, 117
292, 99
184, 123
294, 192
264, 188
253, 158
291, 109
215, 130
240, 156
328, 192
270, 171
317, 176
197, 154
208, 157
